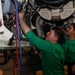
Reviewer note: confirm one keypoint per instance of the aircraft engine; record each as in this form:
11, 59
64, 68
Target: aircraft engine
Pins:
49, 12
41, 15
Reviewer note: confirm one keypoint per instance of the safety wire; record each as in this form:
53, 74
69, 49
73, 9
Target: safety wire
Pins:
18, 37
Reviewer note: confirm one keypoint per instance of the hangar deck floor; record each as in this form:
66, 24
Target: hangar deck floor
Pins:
31, 65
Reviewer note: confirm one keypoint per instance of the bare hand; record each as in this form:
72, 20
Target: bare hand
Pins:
21, 14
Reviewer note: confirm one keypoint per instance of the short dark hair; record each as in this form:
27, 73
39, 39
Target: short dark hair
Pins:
60, 33
73, 24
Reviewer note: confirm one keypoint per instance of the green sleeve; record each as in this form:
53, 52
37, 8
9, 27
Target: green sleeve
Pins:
38, 42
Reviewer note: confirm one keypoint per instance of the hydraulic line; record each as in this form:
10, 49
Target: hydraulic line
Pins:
18, 39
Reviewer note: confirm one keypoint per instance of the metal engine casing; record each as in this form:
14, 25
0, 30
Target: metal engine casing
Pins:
50, 15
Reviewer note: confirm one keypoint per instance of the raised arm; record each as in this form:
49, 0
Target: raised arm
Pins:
23, 24
35, 40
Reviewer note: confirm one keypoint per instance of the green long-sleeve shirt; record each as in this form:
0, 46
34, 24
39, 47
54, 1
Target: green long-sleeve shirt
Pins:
69, 49
52, 55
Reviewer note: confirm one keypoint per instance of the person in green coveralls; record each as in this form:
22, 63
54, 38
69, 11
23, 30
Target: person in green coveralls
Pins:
69, 48
52, 53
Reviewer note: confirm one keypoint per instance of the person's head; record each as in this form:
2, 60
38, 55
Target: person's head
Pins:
70, 30
55, 35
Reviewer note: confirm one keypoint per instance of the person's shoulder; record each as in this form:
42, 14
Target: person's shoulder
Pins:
59, 48
67, 38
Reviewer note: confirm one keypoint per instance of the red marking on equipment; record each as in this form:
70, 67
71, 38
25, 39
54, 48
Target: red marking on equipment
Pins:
0, 24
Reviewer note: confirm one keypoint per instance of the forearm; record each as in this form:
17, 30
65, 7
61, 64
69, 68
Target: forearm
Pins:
24, 26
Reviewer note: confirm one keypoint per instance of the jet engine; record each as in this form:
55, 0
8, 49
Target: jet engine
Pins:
41, 15
44, 14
